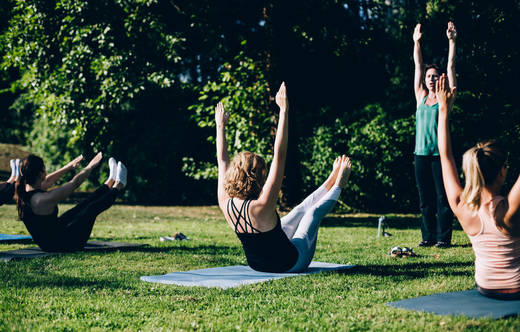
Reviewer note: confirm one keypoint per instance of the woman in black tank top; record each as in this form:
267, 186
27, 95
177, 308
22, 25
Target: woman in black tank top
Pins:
38, 208
247, 196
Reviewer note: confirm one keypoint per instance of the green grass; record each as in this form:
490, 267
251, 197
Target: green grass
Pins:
99, 291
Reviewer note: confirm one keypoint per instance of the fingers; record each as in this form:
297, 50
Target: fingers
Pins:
282, 89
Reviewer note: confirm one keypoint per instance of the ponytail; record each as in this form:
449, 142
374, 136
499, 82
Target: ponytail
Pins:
20, 195
30, 169
481, 165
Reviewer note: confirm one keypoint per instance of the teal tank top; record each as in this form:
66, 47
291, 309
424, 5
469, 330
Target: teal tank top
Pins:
426, 129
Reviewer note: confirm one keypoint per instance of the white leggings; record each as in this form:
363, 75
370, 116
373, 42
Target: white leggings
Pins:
302, 223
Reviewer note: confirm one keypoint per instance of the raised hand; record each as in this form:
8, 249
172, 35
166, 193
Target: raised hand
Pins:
281, 97
95, 161
221, 116
445, 95
451, 32
417, 34
75, 163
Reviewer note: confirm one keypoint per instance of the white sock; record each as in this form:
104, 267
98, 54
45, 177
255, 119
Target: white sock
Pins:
13, 168
17, 164
112, 165
121, 173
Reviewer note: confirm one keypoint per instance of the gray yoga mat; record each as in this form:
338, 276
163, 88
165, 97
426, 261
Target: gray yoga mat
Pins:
7, 256
7, 238
468, 303
234, 276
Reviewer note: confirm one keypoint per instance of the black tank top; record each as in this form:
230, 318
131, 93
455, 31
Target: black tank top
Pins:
269, 251
44, 229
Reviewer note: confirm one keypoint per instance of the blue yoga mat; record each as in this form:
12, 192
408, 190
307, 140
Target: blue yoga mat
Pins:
234, 276
468, 303
12, 238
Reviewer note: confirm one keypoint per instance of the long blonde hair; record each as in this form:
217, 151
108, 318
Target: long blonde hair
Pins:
481, 165
245, 176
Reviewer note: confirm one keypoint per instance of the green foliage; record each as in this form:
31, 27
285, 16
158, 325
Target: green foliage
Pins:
83, 62
140, 79
381, 149
243, 89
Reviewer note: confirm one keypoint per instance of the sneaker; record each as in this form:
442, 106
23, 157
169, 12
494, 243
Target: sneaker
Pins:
408, 252
441, 244
396, 251
180, 236
425, 244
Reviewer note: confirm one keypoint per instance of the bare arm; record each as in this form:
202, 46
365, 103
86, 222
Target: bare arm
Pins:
445, 97
420, 92
451, 33
221, 118
512, 216
50, 179
47, 201
273, 184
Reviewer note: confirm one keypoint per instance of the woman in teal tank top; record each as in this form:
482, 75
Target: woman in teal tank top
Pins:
437, 218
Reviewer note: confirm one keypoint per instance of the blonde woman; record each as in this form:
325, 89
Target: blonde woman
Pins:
491, 221
247, 195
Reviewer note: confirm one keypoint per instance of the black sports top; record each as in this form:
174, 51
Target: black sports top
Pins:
44, 229
269, 251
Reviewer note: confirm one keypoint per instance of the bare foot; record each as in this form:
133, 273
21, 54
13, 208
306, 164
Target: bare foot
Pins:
344, 172
334, 173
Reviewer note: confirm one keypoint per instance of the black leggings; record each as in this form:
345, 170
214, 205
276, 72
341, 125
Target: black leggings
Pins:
6, 192
76, 224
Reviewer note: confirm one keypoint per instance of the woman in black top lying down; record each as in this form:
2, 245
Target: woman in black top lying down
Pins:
247, 196
38, 208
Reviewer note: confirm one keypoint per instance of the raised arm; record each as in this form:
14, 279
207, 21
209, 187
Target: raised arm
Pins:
49, 200
221, 118
512, 216
50, 179
451, 33
273, 183
420, 92
445, 98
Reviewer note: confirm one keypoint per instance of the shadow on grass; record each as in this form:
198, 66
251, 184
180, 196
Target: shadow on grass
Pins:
51, 280
411, 271
391, 222
197, 249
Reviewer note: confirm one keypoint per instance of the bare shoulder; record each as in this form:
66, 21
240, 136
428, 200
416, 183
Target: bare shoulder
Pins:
468, 219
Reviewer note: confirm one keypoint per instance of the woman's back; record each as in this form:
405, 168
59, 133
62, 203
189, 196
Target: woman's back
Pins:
497, 255
268, 248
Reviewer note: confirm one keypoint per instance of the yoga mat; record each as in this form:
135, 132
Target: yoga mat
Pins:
7, 238
234, 276
468, 303
7, 256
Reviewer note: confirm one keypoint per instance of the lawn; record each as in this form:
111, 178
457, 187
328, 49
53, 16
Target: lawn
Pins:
99, 291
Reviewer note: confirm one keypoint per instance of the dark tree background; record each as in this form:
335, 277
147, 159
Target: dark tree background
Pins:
139, 80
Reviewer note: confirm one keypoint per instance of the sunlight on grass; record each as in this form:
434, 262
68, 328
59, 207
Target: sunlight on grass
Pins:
92, 290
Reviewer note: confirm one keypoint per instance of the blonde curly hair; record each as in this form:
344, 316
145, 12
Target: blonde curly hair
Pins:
245, 176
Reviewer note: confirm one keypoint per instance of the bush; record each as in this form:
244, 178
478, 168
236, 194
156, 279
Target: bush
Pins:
381, 150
